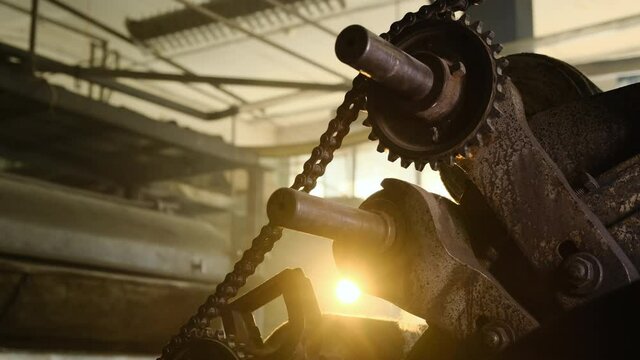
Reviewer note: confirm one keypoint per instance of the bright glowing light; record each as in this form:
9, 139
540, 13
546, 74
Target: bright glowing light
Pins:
347, 291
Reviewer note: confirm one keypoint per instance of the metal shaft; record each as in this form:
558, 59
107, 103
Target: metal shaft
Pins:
313, 215
383, 62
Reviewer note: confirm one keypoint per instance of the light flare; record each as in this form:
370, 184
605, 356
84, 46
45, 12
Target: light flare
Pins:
347, 291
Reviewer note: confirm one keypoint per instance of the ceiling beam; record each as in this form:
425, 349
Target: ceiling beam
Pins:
234, 25
291, 10
83, 72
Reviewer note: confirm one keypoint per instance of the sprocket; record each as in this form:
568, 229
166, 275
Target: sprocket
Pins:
207, 344
435, 136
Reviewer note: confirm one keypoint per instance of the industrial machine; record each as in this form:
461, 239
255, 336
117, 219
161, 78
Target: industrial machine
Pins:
538, 255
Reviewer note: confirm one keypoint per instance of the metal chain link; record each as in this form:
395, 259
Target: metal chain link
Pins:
313, 168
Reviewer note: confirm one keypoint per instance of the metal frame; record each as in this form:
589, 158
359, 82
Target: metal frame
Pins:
231, 110
33, 32
81, 72
104, 78
102, 40
129, 40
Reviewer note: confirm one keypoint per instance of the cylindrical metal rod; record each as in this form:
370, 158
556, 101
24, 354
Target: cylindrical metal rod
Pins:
383, 62
33, 33
303, 212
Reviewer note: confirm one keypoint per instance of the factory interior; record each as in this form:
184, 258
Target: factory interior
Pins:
319, 179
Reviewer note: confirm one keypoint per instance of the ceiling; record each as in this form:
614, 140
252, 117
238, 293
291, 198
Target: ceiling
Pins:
263, 120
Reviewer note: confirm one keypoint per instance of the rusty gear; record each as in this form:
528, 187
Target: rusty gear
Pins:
470, 53
206, 344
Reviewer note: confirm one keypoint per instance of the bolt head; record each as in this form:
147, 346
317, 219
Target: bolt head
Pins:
491, 339
458, 69
582, 273
495, 336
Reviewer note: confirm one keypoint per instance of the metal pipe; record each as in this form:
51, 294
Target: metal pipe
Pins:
300, 211
151, 75
383, 62
46, 63
32, 33
52, 65
57, 23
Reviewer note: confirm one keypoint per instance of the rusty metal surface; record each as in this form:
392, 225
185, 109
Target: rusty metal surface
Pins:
618, 192
627, 234
430, 270
501, 256
544, 82
591, 134
538, 207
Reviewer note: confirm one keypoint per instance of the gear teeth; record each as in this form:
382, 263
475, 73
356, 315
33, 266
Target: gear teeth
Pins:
497, 49
231, 340
484, 129
466, 151
495, 112
489, 36
477, 26
491, 124
480, 138
500, 94
502, 62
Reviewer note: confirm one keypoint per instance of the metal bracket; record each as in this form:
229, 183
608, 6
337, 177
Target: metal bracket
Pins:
303, 310
538, 206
